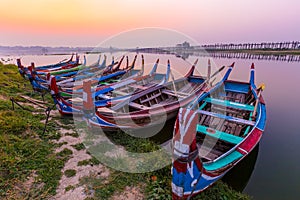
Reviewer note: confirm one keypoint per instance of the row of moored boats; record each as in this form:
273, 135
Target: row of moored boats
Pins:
217, 123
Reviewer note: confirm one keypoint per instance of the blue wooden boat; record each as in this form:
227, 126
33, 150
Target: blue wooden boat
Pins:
214, 133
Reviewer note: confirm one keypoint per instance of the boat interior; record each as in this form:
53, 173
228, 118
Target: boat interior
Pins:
174, 91
225, 118
130, 88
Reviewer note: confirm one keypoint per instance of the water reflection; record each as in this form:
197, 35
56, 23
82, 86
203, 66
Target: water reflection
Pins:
233, 55
239, 176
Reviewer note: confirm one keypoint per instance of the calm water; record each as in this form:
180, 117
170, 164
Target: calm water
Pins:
276, 173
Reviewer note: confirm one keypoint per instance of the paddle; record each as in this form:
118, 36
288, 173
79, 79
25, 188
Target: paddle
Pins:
209, 71
259, 90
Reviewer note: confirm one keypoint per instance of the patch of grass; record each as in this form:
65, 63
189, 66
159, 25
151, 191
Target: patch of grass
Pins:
79, 146
154, 185
102, 147
83, 162
70, 173
70, 187
74, 134
24, 148
130, 143
116, 182
92, 161
221, 190
66, 120
11, 81
158, 190
61, 144
65, 154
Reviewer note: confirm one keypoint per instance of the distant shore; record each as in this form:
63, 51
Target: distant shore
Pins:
235, 51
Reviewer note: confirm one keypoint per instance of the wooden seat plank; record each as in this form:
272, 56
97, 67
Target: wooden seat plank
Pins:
219, 134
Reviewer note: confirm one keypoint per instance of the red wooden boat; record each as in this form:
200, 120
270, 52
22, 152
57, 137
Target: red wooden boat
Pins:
149, 108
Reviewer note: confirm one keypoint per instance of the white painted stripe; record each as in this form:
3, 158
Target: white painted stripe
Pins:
84, 96
243, 150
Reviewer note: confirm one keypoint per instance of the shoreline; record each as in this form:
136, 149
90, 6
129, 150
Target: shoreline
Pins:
234, 51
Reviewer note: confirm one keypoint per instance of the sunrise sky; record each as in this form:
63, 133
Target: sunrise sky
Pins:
88, 22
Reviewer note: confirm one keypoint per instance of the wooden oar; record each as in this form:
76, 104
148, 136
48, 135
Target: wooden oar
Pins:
209, 71
260, 89
173, 80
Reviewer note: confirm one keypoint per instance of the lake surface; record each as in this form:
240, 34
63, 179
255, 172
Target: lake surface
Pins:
276, 173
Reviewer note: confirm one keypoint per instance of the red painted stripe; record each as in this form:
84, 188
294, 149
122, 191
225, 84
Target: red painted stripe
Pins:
180, 167
249, 143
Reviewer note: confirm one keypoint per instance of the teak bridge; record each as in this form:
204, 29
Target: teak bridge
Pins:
253, 46
280, 51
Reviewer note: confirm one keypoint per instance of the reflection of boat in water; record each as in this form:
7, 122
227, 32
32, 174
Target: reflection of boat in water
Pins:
239, 176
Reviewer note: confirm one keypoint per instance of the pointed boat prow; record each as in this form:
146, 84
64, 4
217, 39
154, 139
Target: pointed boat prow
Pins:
168, 72
119, 64
191, 71
53, 86
133, 63
228, 71
252, 75
187, 166
20, 67
153, 71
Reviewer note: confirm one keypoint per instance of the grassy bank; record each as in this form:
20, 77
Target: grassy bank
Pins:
154, 185
30, 168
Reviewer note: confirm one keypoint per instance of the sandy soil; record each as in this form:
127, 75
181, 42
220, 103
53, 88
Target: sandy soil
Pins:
77, 191
81, 171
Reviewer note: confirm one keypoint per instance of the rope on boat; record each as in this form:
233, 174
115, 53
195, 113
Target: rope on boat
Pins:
13, 102
47, 112
197, 181
173, 82
34, 101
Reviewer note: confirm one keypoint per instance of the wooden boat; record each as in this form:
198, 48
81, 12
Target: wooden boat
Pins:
74, 86
59, 64
61, 69
109, 89
66, 71
70, 63
119, 91
40, 82
146, 109
214, 133
94, 70
100, 76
